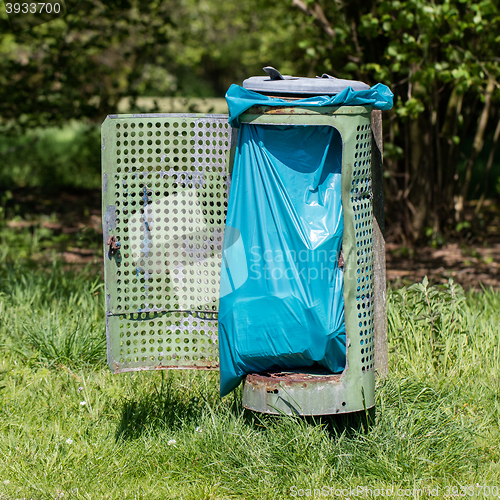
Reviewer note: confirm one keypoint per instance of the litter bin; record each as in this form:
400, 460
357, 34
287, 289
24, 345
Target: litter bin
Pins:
165, 184
306, 208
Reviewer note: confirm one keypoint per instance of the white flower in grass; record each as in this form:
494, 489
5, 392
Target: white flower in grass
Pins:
171, 442
6, 481
69, 441
83, 403
80, 389
198, 429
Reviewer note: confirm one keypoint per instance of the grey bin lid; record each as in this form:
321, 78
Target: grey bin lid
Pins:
277, 84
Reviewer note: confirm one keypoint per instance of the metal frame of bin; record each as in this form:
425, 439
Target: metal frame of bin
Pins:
316, 392
166, 178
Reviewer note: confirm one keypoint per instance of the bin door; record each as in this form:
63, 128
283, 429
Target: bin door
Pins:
165, 186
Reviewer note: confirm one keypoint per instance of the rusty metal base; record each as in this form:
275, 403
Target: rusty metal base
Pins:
316, 392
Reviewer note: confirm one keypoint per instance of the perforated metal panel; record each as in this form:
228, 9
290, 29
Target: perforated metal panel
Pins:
361, 201
165, 186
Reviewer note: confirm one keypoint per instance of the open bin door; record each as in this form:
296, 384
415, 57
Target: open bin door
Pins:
165, 185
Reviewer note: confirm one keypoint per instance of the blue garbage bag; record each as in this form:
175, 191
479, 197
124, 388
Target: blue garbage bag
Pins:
240, 99
281, 293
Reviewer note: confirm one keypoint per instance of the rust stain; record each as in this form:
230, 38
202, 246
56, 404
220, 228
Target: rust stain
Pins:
113, 244
119, 369
190, 367
274, 110
272, 379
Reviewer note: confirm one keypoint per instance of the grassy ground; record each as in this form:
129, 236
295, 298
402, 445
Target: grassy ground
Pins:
71, 429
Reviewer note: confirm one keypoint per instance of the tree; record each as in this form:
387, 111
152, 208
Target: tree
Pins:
79, 65
82, 64
440, 58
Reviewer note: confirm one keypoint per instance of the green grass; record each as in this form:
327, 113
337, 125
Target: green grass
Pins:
71, 429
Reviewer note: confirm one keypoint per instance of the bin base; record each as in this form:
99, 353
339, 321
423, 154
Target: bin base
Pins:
296, 392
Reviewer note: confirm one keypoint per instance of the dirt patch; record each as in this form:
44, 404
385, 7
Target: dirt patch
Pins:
471, 256
73, 221
470, 266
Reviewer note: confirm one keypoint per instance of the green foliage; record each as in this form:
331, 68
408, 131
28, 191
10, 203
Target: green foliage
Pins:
436, 240
440, 60
52, 158
160, 409
431, 44
82, 64
64, 339
436, 331
215, 44
32, 237
437, 316
33, 240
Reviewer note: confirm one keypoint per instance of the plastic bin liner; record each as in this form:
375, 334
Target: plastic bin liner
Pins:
281, 293
240, 99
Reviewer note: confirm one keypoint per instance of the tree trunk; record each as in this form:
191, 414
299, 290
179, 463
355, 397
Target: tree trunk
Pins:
488, 167
419, 187
476, 149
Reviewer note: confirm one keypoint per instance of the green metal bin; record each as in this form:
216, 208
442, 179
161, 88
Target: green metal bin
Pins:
317, 392
166, 179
